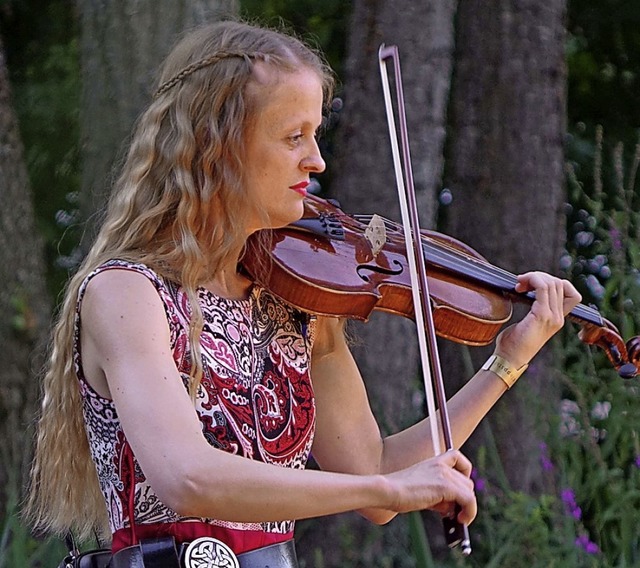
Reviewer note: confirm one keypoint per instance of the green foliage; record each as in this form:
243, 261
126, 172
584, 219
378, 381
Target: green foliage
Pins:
420, 542
592, 456
602, 248
521, 531
17, 547
592, 461
22, 319
600, 449
597, 456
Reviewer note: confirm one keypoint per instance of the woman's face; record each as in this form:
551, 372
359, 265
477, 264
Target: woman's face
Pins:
281, 148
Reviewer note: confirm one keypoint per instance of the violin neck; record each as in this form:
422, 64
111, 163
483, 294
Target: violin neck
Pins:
581, 314
449, 258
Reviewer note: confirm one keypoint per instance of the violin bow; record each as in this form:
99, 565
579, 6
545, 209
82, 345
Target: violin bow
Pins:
456, 533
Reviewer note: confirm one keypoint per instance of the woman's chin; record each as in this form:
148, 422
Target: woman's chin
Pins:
284, 218
277, 221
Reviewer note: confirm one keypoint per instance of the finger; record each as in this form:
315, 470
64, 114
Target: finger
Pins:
463, 506
468, 514
468, 507
522, 282
563, 296
457, 460
556, 294
557, 305
539, 283
461, 493
445, 508
571, 297
529, 281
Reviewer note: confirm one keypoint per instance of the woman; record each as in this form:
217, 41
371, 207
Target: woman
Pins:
195, 394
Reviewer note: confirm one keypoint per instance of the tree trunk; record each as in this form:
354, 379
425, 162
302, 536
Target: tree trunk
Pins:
24, 305
505, 172
364, 182
123, 44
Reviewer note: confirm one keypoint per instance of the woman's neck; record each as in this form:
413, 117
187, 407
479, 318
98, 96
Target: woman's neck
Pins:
229, 283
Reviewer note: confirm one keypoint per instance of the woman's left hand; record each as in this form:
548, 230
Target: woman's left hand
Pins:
555, 298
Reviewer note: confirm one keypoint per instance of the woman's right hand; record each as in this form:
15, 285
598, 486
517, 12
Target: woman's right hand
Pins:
439, 484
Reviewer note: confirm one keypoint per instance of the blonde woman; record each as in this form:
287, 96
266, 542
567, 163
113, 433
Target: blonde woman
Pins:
182, 400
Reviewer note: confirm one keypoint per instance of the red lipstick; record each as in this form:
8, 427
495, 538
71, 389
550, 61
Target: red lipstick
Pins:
300, 188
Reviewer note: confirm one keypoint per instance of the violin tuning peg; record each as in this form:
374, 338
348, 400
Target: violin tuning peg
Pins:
633, 352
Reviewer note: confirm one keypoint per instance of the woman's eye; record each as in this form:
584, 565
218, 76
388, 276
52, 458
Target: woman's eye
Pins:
296, 138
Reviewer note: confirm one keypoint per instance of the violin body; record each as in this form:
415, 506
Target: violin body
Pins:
334, 264
342, 274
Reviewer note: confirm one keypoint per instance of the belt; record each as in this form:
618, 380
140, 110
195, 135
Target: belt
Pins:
204, 552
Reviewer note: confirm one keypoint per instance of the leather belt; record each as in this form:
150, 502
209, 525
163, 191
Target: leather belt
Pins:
204, 552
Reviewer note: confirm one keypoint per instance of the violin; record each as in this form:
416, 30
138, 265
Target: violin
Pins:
335, 264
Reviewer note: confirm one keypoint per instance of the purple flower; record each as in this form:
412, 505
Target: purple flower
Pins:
586, 544
592, 548
545, 460
568, 497
637, 462
616, 238
547, 464
479, 483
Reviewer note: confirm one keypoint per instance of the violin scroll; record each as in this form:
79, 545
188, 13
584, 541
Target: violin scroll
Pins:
625, 358
633, 350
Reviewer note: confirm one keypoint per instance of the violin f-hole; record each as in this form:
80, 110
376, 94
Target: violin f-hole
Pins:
362, 268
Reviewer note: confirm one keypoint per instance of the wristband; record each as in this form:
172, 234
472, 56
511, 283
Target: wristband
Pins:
504, 369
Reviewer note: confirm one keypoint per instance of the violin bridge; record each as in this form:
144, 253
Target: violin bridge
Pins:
376, 234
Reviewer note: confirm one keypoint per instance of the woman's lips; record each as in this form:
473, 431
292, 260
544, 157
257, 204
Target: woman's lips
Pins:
300, 188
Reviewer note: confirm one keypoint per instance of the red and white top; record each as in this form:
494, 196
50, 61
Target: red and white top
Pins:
255, 400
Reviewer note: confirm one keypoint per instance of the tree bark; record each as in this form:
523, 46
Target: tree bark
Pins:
506, 174
123, 44
24, 304
364, 182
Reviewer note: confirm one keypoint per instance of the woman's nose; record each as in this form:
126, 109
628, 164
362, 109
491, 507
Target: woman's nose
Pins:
313, 162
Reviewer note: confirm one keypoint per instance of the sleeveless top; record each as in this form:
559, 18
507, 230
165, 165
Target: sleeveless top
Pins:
255, 400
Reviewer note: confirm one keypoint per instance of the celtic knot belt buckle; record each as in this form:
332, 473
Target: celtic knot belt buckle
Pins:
209, 552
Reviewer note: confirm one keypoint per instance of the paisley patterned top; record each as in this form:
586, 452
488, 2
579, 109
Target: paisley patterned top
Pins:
255, 400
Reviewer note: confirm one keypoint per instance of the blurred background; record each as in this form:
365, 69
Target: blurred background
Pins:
523, 120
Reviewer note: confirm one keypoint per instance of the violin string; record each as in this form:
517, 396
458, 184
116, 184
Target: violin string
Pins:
448, 257
451, 258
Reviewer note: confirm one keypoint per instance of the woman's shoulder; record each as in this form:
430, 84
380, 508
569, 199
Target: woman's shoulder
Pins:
125, 266
116, 272
114, 280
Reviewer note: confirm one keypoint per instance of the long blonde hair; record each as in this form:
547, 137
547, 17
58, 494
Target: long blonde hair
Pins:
178, 207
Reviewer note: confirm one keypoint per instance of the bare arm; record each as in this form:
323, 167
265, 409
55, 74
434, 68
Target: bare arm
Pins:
126, 354
348, 437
